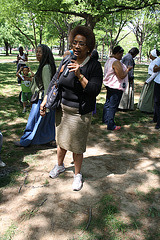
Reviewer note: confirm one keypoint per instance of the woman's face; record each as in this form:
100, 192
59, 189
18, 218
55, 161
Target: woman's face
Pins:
151, 57
39, 54
80, 48
119, 55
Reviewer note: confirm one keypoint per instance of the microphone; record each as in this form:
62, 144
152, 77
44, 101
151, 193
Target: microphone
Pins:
73, 57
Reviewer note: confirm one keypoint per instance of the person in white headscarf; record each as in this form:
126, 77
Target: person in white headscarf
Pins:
146, 100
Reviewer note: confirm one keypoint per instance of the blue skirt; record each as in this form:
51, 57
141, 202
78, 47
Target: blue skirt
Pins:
39, 130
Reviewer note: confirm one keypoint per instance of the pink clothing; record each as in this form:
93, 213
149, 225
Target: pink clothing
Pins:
110, 79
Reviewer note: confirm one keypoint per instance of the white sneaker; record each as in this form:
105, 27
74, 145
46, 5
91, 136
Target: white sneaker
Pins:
77, 183
2, 164
56, 171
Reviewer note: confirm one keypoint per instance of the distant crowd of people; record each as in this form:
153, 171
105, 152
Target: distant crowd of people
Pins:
79, 89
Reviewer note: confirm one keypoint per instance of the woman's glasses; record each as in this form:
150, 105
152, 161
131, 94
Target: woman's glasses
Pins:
80, 44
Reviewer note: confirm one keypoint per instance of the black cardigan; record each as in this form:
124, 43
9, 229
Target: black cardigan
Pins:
73, 95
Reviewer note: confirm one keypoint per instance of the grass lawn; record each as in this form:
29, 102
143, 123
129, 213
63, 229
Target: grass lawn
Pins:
136, 135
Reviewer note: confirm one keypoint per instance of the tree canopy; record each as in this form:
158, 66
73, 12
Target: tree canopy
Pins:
50, 21
92, 11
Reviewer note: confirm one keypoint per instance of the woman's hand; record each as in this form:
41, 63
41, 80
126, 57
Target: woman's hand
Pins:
74, 67
129, 68
42, 107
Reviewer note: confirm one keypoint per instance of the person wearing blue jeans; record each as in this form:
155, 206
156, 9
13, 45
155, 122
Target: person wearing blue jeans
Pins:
110, 107
115, 81
2, 164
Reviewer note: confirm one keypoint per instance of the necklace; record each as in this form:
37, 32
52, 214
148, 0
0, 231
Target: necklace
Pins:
85, 61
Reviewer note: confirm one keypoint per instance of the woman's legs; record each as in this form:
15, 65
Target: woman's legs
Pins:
78, 158
77, 183
110, 107
58, 168
61, 155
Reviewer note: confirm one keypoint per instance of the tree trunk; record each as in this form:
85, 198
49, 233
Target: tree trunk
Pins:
6, 47
63, 46
34, 29
140, 52
102, 50
60, 47
41, 29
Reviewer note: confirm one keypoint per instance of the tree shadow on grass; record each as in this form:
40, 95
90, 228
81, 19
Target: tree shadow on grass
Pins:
58, 212
14, 157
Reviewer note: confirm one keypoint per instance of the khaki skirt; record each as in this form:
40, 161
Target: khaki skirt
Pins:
72, 129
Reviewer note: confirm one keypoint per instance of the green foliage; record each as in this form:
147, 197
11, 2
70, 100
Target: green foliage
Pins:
155, 171
31, 22
145, 33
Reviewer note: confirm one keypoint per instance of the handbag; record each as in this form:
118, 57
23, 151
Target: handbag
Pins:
54, 97
35, 97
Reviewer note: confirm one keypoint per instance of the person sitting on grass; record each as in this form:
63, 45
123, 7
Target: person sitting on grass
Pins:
26, 78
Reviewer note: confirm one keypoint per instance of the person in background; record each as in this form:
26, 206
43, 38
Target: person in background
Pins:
79, 90
115, 81
68, 52
146, 100
156, 69
26, 78
40, 130
127, 100
2, 164
22, 58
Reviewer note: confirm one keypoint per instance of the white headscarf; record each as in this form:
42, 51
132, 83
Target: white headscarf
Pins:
154, 53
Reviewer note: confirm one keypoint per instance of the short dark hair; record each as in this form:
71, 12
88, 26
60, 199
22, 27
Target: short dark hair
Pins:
87, 33
134, 51
20, 48
118, 49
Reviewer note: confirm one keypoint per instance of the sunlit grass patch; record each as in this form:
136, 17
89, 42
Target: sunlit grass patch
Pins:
10, 232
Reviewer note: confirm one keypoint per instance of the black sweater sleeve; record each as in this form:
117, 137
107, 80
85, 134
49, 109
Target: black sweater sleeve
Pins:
94, 76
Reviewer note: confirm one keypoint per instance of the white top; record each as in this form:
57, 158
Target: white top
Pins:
110, 78
22, 61
150, 71
157, 78
151, 66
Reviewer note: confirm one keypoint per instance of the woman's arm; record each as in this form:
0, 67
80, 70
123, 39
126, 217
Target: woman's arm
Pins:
156, 68
93, 82
42, 107
32, 74
17, 74
75, 67
120, 73
151, 77
46, 77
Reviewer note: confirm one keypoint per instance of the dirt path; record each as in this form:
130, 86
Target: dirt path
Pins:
41, 208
